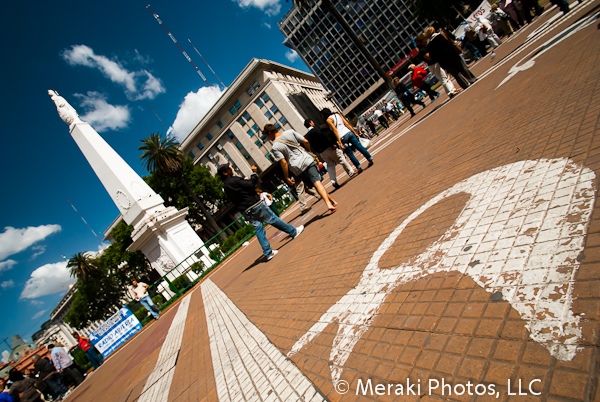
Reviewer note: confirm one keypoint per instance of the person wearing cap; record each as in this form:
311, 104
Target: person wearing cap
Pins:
242, 194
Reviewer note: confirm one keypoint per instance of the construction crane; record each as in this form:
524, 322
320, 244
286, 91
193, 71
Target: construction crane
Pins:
206, 62
177, 43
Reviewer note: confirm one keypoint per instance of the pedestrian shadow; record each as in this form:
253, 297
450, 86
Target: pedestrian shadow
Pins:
262, 259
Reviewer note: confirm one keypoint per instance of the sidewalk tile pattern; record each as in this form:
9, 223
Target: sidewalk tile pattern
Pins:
159, 382
248, 367
518, 236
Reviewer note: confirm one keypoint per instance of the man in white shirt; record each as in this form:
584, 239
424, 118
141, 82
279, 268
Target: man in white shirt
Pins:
63, 362
289, 148
140, 293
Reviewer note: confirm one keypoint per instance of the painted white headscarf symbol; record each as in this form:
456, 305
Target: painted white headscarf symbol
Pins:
520, 234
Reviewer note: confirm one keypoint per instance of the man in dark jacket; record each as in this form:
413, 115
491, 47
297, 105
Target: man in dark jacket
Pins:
405, 96
48, 374
242, 194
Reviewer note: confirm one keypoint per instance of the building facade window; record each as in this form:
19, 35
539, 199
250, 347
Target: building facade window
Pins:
246, 155
274, 108
258, 143
230, 134
238, 105
250, 133
227, 157
259, 103
250, 91
283, 120
209, 136
220, 124
192, 155
238, 145
265, 97
233, 110
269, 115
256, 85
219, 147
255, 127
247, 116
210, 156
200, 146
241, 121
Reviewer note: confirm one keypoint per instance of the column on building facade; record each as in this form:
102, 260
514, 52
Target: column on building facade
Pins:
237, 158
248, 143
212, 167
257, 115
278, 95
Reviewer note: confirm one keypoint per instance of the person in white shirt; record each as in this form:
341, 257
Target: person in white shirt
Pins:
140, 293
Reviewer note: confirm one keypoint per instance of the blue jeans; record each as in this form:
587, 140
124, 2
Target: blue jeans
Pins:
264, 214
94, 358
351, 139
56, 386
146, 301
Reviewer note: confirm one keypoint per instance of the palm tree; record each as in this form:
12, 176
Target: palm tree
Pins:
80, 265
163, 156
359, 44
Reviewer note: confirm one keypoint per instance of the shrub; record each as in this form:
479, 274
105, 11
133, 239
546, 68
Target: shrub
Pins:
158, 300
179, 283
141, 313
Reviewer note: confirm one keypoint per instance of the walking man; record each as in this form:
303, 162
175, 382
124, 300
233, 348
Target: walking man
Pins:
405, 97
47, 373
328, 152
290, 149
381, 118
139, 292
242, 194
63, 362
418, 80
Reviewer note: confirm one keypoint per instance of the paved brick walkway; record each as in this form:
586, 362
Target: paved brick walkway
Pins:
464, 265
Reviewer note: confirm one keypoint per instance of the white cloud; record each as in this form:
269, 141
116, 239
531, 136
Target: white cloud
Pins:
291, 55
6, 265
13, 241
101, 115
266, 24
36, 302
137, 84
270, 7
195, 105
39, 250
47, 280
38, 314
7, 284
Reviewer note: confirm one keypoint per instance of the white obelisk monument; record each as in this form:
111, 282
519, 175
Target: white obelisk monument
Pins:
162, 234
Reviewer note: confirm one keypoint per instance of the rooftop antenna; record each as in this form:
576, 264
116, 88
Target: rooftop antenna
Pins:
177, 43
206, 63
100, 240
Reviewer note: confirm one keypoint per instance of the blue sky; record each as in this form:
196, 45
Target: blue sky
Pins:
112, 62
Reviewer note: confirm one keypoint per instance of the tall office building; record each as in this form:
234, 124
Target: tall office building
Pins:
387, 29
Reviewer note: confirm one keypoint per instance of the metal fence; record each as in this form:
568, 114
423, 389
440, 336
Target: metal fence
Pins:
169, 288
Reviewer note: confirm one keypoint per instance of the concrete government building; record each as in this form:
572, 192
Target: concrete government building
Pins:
264, 92
387, 29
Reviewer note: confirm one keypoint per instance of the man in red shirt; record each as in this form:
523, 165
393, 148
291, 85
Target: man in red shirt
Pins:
418, 80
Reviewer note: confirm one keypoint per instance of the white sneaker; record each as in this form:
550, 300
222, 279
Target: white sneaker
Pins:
493, 55
273, 254
299, 230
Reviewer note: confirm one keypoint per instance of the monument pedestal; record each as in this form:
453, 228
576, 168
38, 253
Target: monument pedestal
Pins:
162, 234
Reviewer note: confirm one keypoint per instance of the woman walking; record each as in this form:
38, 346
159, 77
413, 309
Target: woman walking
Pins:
346, 135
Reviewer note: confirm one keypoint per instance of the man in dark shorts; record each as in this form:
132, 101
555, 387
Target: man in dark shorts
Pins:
291, 150
242, 194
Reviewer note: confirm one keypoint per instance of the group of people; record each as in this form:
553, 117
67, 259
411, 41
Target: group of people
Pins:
49, 378
296, 155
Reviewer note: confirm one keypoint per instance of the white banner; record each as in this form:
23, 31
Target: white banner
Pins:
483, 10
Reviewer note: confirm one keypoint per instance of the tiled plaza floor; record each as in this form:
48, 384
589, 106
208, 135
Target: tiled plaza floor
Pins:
469, 254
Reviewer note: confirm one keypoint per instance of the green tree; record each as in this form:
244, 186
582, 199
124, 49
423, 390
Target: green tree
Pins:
102, 291
163, 157
96, 297
80, 265
199, 179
